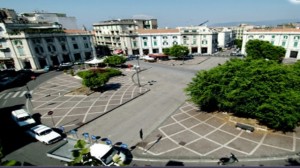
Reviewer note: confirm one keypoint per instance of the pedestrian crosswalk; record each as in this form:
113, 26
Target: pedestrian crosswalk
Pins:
12, 95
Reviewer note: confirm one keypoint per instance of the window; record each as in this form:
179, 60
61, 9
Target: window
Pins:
154, 37
204, 42
21, 51
155, 43
194, 42
174, 37
84, 38
63, 47
75, 46
285, 37
194, 37
261, 36
165, 43
175, 43
204, 36
49, 40
73, 38
272, 42
296, 37
295, 44
145, 38
134, 44
273, 36
250, 37
165, 37
185, 31
145, 44
86, 45
283, 44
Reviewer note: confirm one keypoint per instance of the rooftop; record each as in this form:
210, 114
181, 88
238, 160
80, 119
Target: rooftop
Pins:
275, 30
155, 31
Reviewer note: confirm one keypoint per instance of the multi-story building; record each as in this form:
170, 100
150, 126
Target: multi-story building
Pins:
65, 21
239, 30
113, 33
199, 39
225, 37
288, 38
33, 46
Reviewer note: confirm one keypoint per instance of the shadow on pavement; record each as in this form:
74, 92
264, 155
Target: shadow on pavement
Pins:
174, 163
12, 137
292, 162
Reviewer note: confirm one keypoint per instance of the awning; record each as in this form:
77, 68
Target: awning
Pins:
118, 51
95, 60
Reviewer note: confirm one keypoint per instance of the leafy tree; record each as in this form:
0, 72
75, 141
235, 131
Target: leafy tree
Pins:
95, 80
82, 156
257, 49
238, 43
265, 90
166, 51
115, 60
178, 51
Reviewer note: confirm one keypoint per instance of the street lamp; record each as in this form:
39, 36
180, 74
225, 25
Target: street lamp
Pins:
50, 114
137, 69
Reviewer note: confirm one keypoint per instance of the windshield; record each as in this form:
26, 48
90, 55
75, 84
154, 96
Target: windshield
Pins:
24, 118
107, 158
45, 132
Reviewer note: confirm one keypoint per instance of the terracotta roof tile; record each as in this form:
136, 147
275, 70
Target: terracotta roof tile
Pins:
275, 30
155, 31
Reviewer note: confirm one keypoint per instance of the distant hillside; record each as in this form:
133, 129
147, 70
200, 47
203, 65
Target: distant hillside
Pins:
257, 23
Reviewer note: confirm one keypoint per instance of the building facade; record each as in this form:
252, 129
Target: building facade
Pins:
33, 46
238, 31
225, 38
114, 33
288, 38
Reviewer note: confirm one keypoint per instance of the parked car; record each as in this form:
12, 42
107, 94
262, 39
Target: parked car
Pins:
107, 154
44, 134
80, 62
148, 58
64, 66
22, 118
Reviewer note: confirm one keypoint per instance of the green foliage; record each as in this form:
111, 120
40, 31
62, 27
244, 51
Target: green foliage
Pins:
115, 60
96, 78
178, 51
257, 49
72, 72
166, 51
82, 156
238, 43
265, 90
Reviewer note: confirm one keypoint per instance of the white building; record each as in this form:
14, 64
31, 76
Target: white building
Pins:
33, 46
225, 38
67, 22
238, 31
114, 33
288, 38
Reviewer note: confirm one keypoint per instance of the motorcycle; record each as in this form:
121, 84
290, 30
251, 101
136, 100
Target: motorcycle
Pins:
228, 160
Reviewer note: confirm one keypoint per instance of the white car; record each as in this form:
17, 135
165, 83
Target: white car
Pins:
44, 134
107, 154
22, 118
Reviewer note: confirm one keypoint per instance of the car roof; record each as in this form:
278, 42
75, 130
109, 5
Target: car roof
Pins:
39, 128
20, 113
99, 150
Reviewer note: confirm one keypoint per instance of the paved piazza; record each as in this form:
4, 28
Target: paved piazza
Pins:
72, 111
192, 134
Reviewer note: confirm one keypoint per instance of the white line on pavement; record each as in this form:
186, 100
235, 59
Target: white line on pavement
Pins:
23, 93
15, 94
7, 95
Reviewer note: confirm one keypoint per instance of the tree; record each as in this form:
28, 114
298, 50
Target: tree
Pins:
238, 43
178, 51
115, 60
82, 156
166, 51
7, 162
257, 49
95, 80
260, 89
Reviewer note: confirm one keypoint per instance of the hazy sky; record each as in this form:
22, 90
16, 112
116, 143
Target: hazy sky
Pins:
170, 13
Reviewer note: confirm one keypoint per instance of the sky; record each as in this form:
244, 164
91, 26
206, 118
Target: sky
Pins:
169, 13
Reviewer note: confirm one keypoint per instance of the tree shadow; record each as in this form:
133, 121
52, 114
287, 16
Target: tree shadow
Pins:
15, 137
292, 162
127, 153
107, 87
174, 163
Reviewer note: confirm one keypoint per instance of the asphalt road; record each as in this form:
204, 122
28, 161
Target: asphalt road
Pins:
16, 144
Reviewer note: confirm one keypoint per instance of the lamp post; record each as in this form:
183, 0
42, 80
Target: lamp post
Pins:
137, 69
50, 114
